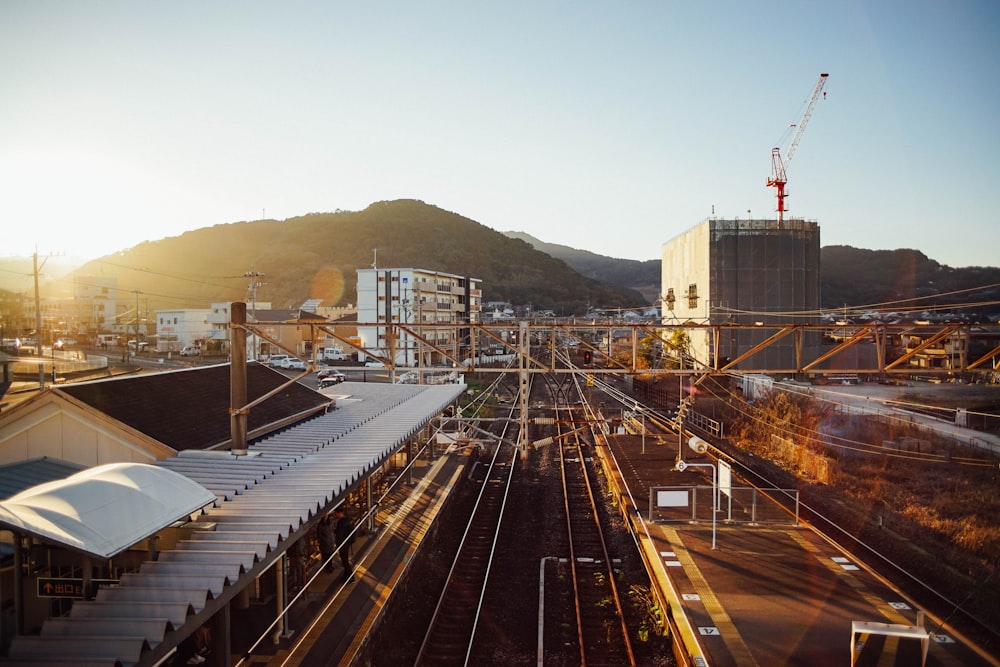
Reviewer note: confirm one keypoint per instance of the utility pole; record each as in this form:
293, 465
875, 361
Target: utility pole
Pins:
238, 380
38, 320
255, 283
137, 323
420, 343
524, 384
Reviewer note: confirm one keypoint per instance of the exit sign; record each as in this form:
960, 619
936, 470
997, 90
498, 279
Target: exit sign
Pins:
49, 587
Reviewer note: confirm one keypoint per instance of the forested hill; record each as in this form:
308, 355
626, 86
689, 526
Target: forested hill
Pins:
894, 278
849, 276
629, 273
317, 256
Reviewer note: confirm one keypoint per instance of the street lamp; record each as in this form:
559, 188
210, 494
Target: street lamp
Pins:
56, 344
683, 465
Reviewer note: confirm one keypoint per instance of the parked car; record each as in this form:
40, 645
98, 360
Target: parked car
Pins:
277, 360
190, 351
331, 376
408, 377
374, 364
293, 364
332, 380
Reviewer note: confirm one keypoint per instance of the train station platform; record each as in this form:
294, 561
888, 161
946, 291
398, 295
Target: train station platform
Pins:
330, 621
769, 592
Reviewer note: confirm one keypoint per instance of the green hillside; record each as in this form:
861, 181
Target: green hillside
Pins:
317, 255
643, 277
859, 277
901, 279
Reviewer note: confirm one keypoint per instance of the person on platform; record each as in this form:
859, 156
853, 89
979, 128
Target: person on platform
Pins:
344, 532
327, 541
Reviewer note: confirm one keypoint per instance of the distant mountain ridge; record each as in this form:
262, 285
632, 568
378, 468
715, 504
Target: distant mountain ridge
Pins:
644, 277
852, 277
317, 256
891, 278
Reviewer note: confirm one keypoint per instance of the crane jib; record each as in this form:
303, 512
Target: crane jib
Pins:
778, 178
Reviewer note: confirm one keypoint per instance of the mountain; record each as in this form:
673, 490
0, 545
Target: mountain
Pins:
889, 278
317, 255
17, 273
644, 277
850, 276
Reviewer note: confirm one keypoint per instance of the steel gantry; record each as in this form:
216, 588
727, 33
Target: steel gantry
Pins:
612, 348
952, 349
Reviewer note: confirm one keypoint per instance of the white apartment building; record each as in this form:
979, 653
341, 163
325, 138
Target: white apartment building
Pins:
178, 328
95, 303
417, 297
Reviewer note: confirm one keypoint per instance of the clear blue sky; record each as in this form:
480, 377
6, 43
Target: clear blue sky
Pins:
608, 126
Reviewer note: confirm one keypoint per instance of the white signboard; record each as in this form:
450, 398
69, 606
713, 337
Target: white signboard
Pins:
726, 478
671, 498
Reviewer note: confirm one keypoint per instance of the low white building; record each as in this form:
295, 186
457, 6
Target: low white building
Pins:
179, 328
219, 318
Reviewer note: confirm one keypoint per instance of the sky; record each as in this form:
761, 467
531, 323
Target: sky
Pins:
606, 126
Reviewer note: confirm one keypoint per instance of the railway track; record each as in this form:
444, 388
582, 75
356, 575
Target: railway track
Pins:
450, 636
580, 613
602, 636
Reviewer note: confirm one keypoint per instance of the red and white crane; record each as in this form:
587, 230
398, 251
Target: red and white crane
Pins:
778, 179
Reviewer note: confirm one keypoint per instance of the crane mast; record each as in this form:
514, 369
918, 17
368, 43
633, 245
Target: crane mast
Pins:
778, 178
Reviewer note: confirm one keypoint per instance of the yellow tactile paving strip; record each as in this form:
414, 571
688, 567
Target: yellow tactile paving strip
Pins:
727, 629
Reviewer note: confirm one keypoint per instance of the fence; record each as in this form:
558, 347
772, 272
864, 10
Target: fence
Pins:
737, 504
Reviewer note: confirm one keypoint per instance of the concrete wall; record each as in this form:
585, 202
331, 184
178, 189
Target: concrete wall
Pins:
745, 272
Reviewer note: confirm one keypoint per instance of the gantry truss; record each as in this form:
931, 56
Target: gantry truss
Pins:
684, 348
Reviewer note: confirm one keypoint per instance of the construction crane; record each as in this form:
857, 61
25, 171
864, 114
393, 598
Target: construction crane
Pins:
778, 179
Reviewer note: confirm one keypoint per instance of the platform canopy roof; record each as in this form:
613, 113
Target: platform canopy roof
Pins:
259, 504
104, 510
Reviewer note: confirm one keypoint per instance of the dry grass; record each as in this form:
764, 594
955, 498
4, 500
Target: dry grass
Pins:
940, 520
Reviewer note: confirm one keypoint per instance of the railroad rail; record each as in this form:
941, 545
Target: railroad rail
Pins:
602, 635
452, 630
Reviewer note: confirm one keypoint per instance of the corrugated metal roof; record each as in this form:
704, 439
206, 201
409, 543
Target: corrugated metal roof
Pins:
17, 477
262, 498
189, 408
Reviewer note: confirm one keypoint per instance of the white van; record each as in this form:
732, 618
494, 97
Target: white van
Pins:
278, 360
332, 354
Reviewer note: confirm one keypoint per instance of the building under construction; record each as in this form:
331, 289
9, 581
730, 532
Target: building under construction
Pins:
750, 272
